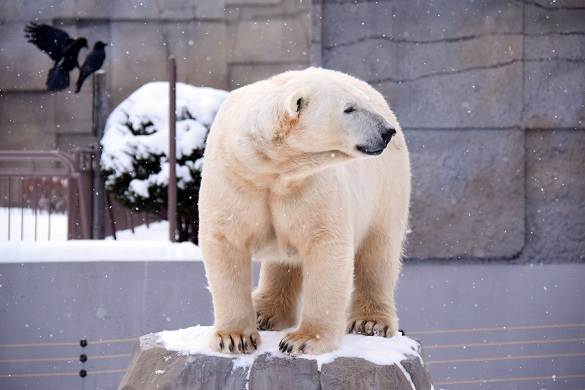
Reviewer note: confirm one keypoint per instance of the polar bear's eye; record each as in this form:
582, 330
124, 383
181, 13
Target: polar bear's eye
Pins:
349, 110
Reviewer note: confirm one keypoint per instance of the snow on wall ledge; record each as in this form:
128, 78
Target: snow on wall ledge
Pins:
97, 250
182, 360
145, 243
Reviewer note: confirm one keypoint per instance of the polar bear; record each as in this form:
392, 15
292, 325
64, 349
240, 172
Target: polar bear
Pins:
309, 173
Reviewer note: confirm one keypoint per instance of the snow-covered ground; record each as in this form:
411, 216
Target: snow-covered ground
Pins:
23, 228
147, 243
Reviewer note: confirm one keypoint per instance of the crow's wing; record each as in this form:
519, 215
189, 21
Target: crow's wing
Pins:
51, 40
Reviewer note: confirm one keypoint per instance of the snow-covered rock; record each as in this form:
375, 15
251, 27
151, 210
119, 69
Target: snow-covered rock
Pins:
182, 360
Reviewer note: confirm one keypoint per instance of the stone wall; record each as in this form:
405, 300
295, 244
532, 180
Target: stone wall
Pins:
490, 94
218, 43
492, 99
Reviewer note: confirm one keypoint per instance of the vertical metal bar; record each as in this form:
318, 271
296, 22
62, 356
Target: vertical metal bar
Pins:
83, 184
98, 124
49, 222
111, 216
172, 189
70, 207
35, 181
79, 195
130, 220
9, 208
52, 183
22, 209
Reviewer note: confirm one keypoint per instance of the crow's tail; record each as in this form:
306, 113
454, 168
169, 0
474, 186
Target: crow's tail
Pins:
80, 80
58, 79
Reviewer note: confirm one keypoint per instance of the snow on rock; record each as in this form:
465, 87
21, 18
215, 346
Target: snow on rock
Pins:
378, 350
362, 362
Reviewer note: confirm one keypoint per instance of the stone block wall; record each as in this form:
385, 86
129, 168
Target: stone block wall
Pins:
217, 43
491, 96
492, 99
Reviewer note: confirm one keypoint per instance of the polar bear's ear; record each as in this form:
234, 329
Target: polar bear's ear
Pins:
296, 102
289, 112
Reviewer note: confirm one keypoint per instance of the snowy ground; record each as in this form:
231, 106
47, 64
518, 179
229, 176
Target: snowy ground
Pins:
51, 244
23, 228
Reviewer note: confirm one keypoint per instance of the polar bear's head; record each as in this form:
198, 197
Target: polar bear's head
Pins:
304, 121
323, 113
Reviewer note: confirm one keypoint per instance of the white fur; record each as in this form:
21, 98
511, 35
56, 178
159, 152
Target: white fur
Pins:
284, 183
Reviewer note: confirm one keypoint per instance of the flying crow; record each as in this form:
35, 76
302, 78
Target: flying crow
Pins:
93, 62
60, 47
51, 40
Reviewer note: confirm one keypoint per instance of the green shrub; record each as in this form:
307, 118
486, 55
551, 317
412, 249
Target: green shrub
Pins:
135, 149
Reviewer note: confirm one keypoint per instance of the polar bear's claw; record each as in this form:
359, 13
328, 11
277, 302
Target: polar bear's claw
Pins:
285, 347
380, 328
264, 323
234, 342
273, 317
300, 343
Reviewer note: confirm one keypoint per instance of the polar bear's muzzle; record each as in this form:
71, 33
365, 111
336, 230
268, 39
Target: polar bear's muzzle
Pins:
377, 145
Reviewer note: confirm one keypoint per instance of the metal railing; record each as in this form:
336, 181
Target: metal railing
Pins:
43, 184
25, 177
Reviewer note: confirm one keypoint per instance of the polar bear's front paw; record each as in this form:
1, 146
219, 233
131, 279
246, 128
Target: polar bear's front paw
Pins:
234, 342
371, 327
298, 343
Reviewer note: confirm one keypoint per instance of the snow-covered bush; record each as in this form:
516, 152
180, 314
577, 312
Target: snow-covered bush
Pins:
136, 145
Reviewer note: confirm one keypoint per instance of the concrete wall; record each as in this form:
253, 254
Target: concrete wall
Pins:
492, 98
54, 305
217, 43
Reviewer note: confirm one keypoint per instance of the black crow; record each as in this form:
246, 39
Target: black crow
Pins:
58, 78
93, 61
60, 47
51, 40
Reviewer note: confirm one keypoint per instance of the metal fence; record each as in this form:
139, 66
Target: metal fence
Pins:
47, 182
38, 187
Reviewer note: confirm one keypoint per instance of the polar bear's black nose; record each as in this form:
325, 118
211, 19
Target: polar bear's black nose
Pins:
388, 134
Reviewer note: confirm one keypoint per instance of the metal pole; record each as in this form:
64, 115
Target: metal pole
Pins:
98, 124
85, 161
172, 189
